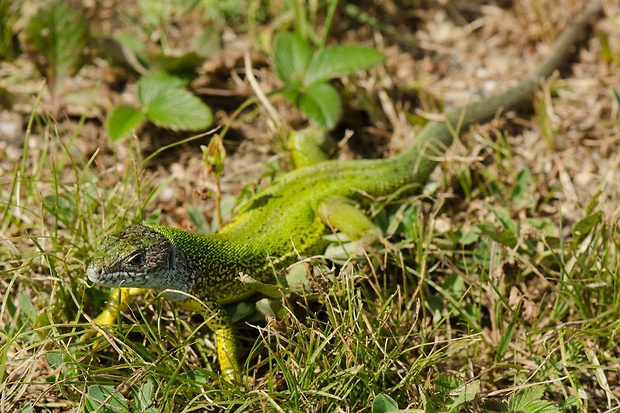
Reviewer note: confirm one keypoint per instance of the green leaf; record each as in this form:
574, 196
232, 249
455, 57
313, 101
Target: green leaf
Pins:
296, 279
179, 109
463, 395
27, 407
321, 104
105, 399
270, 308
520, 189
491, 405
291, 56
529, 400
59, 36
384, 404
240, 311
584, 226
504, 237
10, 12
144, 395
62, 207
197, 376
132, 42
445, 384
269, 290
197, 217
340, 60
593, 204
469, 237
207, 43
154, 86
184, 65
506, 337
122, 121
506, 220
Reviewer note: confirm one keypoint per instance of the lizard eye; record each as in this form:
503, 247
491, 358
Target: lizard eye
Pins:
136, 260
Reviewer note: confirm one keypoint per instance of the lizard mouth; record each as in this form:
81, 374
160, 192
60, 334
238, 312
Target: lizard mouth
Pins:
98, 275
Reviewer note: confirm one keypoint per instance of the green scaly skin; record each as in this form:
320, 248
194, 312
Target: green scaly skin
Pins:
288, 218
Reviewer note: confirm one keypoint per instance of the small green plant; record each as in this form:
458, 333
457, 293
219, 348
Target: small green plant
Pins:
385, 404
166, 102
451, 396
130, 50
9, 14
165, 69
529, 400
306, 73
56, 37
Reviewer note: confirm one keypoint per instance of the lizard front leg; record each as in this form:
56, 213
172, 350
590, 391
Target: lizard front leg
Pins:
118, 301
220, 323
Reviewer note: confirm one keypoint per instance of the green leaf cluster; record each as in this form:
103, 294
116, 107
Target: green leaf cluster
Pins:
105, 398
9, 13
57, 36
306, 73
165, 102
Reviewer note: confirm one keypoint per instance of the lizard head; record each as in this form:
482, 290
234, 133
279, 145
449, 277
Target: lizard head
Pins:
139, 256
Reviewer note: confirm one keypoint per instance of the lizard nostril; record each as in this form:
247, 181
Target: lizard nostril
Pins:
94, 272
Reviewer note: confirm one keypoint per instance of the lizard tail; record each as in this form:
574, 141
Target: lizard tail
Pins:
437, 136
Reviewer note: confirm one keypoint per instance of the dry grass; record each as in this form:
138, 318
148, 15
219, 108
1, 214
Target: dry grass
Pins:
453, 303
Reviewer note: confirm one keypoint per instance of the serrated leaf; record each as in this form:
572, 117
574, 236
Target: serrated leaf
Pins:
291, 56
179, 109
154, 86
336, 61
321, 104
122, 121
58, 35
529, 400
445, 384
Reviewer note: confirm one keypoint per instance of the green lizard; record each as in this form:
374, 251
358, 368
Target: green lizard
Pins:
288, 218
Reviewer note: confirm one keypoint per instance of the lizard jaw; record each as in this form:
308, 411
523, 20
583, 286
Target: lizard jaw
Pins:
98, 275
